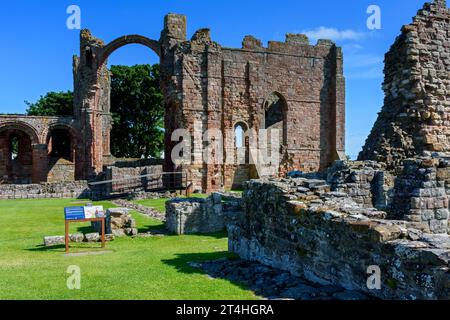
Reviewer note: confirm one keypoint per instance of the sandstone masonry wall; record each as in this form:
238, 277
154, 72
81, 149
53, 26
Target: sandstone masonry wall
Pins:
127, 180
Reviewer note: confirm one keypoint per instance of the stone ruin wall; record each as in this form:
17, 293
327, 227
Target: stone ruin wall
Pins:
74, 189
392, 212
419, 193
207, 86
415, 117
217, 87
126, 178
36, 165
300, 226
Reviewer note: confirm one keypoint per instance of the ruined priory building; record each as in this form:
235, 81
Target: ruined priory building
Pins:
416, 113
293, 86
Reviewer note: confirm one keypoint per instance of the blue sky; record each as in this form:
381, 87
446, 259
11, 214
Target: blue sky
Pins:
37, 48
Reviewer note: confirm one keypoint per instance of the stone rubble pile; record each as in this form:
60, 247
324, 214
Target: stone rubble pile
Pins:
118, 222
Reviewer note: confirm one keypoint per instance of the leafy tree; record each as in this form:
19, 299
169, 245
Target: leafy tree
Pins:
52, 104
136, 107
138, 112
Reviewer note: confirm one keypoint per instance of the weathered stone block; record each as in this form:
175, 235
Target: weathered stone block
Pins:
54, 241
92, 237
187, 216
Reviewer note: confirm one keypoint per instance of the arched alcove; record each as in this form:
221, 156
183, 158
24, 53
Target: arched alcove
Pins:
61, 152
275, 116
16, 155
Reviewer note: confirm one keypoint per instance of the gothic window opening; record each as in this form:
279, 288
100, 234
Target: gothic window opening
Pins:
241, 143
275, 120
14, 148
60, 145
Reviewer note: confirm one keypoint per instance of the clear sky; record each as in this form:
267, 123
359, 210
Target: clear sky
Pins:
36, 46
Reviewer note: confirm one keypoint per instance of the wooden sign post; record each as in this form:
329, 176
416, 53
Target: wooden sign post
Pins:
83, 214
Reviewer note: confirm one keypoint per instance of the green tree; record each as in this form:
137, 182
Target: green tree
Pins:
136, 107
52, 104
138, 112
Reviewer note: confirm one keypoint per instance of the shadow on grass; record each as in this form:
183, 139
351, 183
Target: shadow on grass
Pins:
85, 229
42, 248
182, 260
62, 247
216, 235
147, 228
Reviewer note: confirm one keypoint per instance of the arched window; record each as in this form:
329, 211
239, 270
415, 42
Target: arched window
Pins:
139, 131
239, 139
241, 143
14, 148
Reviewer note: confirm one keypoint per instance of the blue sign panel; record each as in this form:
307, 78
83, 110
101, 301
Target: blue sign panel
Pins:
74, 213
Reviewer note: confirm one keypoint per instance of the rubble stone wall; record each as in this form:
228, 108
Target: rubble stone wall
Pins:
328, 238
367, 183
126, 178
421, 192
190, 216
61, 171
72, 189
416, 112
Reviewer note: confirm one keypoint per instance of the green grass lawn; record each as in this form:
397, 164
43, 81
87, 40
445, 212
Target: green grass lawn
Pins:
140, 268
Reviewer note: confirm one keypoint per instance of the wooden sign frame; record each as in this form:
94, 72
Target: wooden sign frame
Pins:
69, 221
102, 220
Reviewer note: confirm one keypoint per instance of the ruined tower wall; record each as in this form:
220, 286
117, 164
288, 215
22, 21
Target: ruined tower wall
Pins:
213, 87
415, 117
304, 76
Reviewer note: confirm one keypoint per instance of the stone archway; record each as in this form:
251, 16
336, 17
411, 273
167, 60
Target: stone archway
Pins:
92, 96
19, 154
125, 40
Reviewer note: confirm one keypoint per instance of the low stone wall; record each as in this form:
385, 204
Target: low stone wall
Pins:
60, 170
420, 193
127, 181
328, 238
367, 183
51, 241
189, 216
73, 189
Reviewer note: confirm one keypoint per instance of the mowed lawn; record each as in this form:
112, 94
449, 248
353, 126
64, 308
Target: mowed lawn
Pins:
140, 268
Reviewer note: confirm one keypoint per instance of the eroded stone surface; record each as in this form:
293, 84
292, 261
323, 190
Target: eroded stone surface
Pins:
274, 284
416, 109
330, 239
